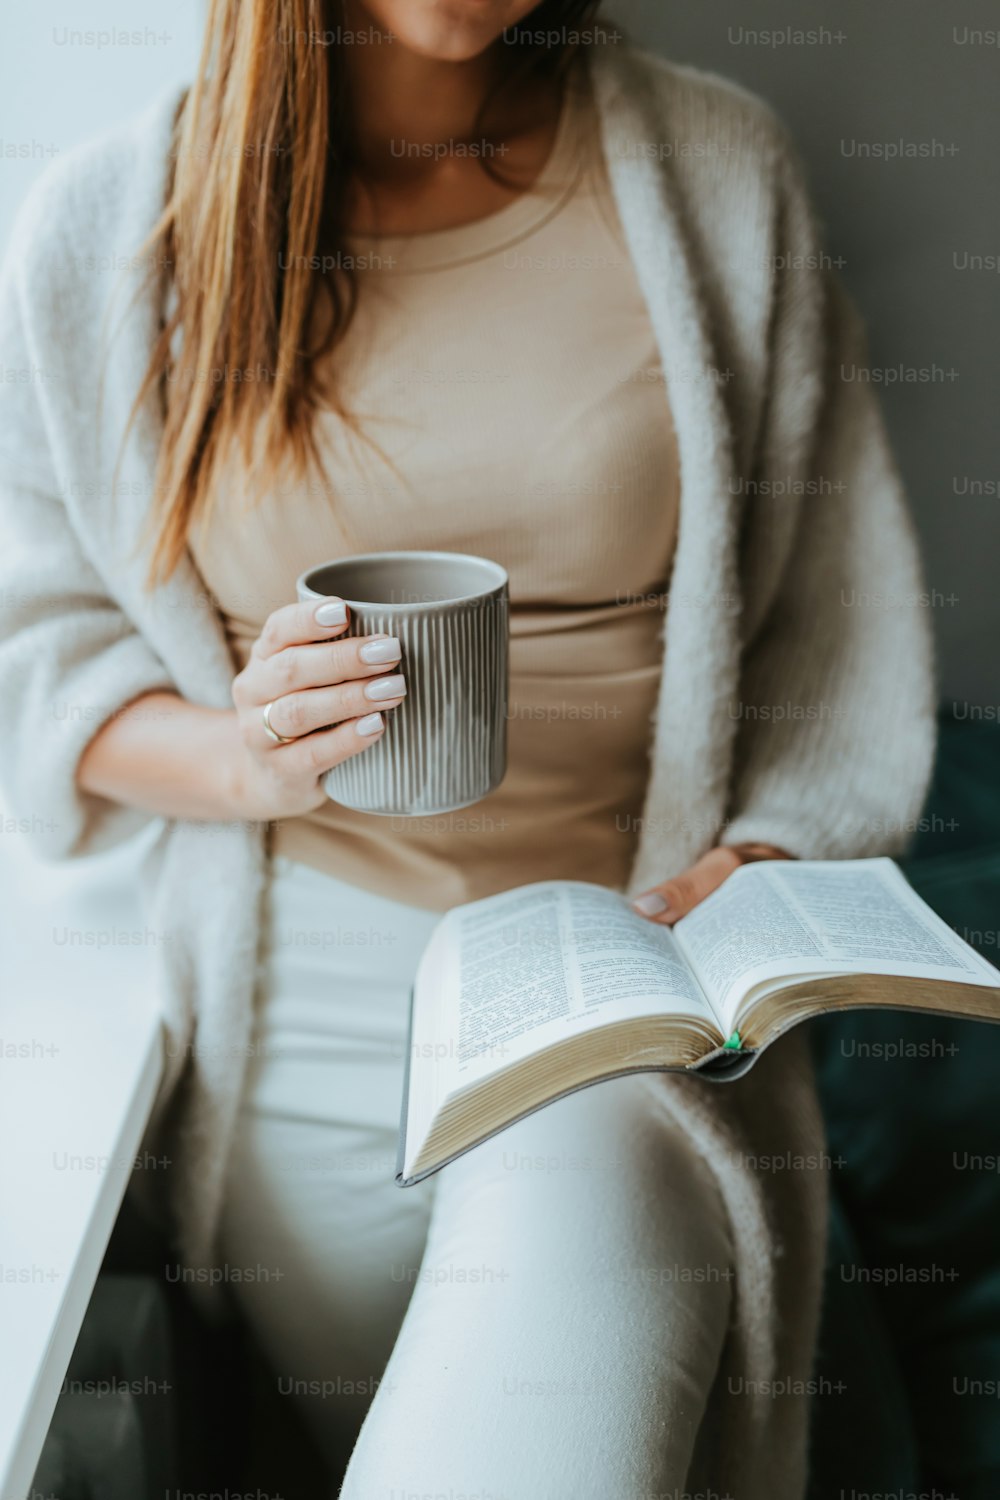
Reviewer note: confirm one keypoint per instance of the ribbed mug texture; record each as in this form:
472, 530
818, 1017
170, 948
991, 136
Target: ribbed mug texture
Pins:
445, 746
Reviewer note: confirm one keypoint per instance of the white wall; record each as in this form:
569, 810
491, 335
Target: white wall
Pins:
67, 72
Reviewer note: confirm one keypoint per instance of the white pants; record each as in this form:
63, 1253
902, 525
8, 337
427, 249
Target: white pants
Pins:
542, 1320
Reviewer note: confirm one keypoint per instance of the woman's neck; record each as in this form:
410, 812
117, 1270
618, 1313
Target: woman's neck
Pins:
400, 96
411, 112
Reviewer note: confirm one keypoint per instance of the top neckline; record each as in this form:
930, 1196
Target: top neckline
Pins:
438, 249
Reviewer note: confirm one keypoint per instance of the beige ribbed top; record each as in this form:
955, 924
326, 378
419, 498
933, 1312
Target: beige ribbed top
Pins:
507, 371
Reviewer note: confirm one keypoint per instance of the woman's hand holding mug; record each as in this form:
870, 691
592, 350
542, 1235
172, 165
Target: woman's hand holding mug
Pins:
305, 702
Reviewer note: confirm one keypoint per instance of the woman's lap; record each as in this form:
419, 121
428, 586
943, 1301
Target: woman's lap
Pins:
544, 1317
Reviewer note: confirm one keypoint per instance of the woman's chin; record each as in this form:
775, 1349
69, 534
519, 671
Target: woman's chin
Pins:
445, 30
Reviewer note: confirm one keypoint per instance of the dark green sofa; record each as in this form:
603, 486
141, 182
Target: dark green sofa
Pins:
909, 1360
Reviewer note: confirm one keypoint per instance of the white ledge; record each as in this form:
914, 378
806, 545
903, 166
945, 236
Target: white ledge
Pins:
81, 1053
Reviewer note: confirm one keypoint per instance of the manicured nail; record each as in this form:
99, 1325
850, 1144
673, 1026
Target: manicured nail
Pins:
376, 653
650, 905
386, 687
370, 724
334, 613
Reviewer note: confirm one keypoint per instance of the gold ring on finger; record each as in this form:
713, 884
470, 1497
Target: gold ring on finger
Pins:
272, 733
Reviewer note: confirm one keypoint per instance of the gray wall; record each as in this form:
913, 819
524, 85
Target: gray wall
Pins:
887, 71
890, 71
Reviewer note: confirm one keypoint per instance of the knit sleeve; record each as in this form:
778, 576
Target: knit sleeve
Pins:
835, 733
69, 657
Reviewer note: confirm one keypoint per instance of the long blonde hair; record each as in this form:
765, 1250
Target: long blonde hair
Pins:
263, 158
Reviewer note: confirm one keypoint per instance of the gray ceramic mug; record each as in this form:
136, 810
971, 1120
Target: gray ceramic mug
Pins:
445, 746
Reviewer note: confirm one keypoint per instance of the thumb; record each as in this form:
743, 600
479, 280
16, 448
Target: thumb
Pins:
672, 899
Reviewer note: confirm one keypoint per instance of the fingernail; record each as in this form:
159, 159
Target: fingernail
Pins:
331, 614
377, 652
650, 905
370, 724
386, 687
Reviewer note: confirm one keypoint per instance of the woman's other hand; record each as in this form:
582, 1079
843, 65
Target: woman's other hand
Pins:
672, 899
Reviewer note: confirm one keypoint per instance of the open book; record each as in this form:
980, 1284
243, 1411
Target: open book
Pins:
522, 997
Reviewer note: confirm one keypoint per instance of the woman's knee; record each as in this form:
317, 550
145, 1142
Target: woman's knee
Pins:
607, 1157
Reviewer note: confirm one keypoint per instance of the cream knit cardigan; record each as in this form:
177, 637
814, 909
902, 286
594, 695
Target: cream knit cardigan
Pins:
796, 702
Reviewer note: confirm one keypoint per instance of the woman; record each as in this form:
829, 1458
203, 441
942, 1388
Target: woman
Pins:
459, 274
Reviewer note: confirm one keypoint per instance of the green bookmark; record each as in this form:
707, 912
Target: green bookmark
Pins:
734, 1044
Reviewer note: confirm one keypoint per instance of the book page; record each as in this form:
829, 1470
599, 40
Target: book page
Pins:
539, 962
782, 918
